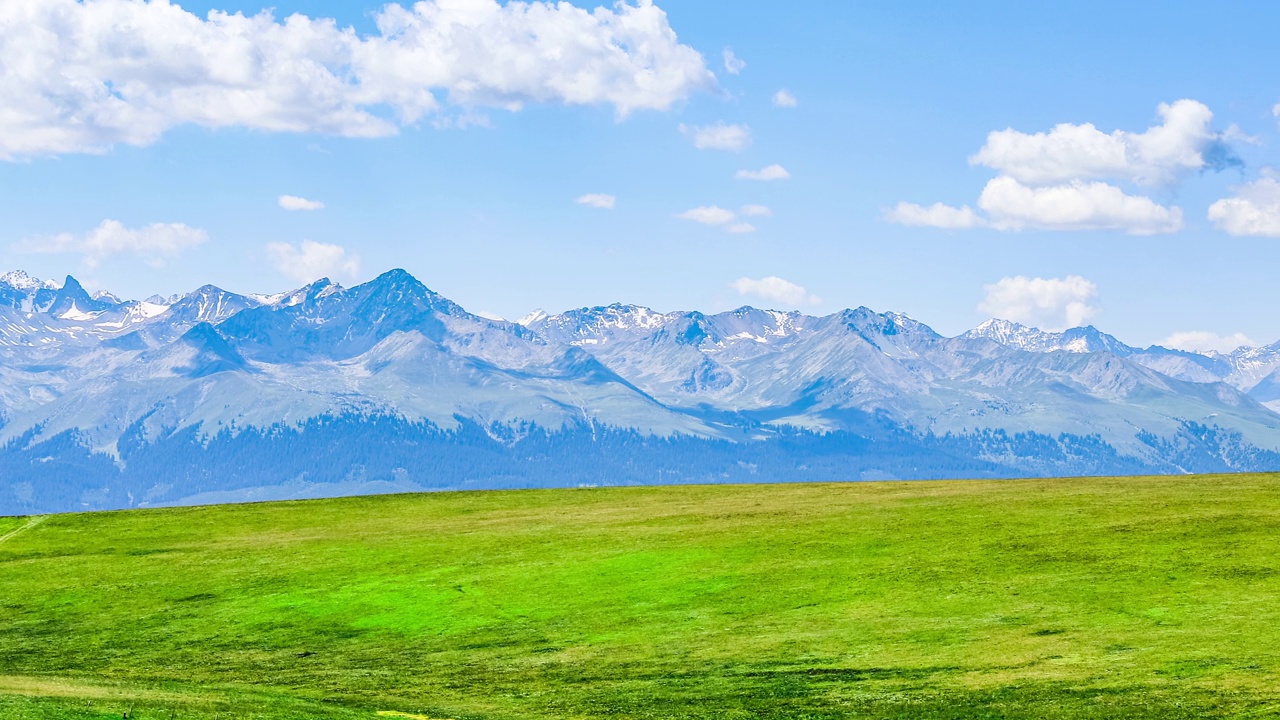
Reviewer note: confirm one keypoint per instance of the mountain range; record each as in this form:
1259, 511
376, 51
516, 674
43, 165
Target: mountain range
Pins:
214, 396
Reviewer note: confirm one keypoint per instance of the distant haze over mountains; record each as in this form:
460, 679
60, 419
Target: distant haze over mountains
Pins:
215, 396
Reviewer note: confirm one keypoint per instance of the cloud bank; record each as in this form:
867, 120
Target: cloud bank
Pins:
936, 215
1254, 211
1051, 304
154, 244
720, 136
293, 202
772, 172
308, 261
1070, 177
1184, 142
716, 215
1077, 205
775, 289
709, 215
82, 77
598, 200
733, 64
1200, 341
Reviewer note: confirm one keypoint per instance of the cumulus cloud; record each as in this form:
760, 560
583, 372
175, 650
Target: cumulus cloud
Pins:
732, 63
1071, 177
1078, 205
1254, 211
728, 219
935, 215
597, 200
1051, 304
719, 136
773, 172
1009, 205
1234, 133
155, 244
293, 202
784, 98
82, 77
709, 215
308, 261
1201, 341
1184, 142
775, 289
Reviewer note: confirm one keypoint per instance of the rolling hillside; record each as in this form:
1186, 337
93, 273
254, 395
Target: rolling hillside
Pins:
1138, 597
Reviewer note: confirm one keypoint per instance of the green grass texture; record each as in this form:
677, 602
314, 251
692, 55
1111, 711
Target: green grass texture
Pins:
1073, 598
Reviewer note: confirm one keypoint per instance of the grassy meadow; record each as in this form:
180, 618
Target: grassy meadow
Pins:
1083, 598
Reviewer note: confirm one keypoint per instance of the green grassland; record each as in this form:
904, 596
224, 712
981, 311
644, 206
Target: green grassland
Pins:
1098, 598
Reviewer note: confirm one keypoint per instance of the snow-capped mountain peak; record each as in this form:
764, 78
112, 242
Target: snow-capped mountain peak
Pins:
319, 288
533, 317
1085, 339
600, 324
207, 303
1015, 335
27, 294
19, 280
73, 302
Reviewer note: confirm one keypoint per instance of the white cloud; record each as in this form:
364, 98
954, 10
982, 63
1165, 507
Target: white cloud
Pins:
1254, 211
1051, 304
1184, 142
775, 289
732, 63
81, 77
709, 215
308, 261
1201, 341
598, 200
773, 172
784, 98
462, 120
716, 215
156, 244
719, 136
1010, 205
293, 202
935, 215
1234, 133
1070, 177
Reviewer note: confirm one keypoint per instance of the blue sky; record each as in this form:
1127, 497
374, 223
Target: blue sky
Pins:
891, 104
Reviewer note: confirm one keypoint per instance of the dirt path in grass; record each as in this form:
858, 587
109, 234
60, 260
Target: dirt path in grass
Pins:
22, 528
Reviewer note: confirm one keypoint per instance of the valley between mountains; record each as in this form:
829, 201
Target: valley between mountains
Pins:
387, 386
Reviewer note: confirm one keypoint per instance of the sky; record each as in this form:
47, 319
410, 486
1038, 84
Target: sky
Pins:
1056, 165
